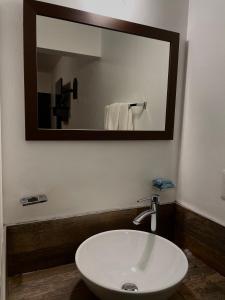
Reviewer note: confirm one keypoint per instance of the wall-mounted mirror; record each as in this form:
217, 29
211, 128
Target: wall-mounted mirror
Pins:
93, 77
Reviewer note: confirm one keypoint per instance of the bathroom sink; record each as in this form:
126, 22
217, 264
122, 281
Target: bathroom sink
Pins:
130, 264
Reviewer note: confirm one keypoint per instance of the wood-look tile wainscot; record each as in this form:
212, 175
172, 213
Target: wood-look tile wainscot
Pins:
205, 238
41, 245
64, 282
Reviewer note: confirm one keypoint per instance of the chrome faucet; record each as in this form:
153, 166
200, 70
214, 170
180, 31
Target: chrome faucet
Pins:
150, 212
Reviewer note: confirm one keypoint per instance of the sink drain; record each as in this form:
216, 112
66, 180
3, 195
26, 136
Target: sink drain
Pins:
131, 287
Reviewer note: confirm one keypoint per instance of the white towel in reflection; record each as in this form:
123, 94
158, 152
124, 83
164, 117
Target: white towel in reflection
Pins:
141, 118
125, 117
112, 113
106, 117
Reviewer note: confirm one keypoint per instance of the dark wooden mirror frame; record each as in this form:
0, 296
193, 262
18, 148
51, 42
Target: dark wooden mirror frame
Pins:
31, 10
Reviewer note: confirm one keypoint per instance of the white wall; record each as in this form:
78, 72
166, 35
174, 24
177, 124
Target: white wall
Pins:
79, 177
44, 82
2, 231
68, 37
203, 145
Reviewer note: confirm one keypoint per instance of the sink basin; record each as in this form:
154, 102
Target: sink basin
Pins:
130, 264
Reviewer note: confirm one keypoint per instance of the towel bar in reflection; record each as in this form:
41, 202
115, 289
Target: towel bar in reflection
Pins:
143, 104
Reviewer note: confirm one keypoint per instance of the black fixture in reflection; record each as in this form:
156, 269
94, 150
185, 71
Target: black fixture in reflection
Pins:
62, 101
74, 90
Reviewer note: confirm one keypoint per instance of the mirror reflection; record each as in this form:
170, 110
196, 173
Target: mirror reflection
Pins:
98, 79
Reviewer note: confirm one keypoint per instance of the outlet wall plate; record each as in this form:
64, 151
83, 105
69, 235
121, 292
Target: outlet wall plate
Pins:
30, 200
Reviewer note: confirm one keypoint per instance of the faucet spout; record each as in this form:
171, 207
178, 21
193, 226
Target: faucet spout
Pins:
142, 216
150, 212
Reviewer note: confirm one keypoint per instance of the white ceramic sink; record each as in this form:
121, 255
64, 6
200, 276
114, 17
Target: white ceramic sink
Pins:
149, 266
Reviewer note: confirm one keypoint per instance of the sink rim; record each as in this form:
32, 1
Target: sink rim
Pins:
118, 290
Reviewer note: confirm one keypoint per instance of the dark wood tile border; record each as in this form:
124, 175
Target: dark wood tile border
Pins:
51, 243
40, 245
205, 238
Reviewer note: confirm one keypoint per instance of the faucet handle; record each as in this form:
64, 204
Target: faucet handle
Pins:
155, 198
144, 199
